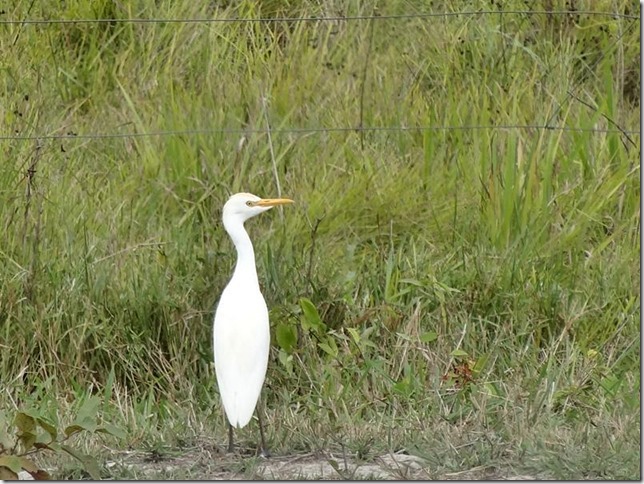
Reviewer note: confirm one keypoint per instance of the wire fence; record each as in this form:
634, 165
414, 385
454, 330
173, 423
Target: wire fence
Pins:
364, 129
420, 15
310, 130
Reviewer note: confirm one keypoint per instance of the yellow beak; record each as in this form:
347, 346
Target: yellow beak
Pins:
271, 202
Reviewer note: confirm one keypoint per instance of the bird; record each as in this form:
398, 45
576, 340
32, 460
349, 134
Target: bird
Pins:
241, 332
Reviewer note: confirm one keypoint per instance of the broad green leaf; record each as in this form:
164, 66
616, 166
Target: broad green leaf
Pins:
355, 335
32, 412
11, 462
28, 439
91, 466
283, 357
491, 389
329, 348
89, 409
311, 316
24, 422
458, 353
286, 360
47, 427
89, 463
479, 366
403, 387
286, 336
87, 414
333, 345
429, 336
108, 428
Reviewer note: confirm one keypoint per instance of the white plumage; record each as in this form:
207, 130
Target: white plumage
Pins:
241, 341
241, 330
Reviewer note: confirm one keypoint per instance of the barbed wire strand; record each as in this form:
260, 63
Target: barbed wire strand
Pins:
248, 131
613, 15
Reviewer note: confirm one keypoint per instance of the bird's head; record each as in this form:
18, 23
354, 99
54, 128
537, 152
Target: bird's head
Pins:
242, 206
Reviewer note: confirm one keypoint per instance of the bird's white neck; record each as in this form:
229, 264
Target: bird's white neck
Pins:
245, 267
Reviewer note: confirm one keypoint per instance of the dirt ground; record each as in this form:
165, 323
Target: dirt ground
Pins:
205, 464
208, 462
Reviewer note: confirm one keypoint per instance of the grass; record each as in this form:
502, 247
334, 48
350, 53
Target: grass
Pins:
469, 295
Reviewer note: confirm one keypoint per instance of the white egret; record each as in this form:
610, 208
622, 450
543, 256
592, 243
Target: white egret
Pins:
241, 332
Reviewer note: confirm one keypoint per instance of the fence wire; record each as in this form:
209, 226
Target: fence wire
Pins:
301, 131
249, 131
420, 15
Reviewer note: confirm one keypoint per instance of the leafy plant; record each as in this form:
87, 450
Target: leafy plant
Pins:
34, 434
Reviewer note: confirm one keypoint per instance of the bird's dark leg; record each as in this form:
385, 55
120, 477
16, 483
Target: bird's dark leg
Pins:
231, 447
265, 452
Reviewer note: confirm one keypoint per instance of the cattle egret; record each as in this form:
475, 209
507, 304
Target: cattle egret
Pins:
241, 332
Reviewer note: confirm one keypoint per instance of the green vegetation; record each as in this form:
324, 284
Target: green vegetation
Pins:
468, 295
35, 433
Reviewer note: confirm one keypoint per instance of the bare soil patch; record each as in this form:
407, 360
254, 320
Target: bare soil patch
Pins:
209, 463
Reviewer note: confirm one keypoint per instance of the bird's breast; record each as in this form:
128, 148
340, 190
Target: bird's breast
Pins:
241, 306
241, 331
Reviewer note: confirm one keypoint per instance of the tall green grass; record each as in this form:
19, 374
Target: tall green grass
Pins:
409, 255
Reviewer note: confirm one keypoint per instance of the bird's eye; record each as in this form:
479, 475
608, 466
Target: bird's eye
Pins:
250, 203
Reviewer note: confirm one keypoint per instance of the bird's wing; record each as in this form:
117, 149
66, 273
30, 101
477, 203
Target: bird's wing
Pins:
241, 345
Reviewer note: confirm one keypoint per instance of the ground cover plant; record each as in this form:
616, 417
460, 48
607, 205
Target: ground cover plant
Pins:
459, 286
